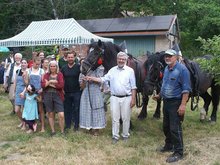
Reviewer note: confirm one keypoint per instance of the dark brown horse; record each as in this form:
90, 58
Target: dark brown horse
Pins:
107, 53
201, 81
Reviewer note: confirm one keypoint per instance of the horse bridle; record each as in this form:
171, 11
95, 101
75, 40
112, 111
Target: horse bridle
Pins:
157, 82
101, 53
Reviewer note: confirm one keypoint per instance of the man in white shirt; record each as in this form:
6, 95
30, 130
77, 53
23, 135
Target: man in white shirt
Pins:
123, 91
10, 77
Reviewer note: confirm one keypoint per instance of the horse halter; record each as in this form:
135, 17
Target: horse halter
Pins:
93, 64
156, 83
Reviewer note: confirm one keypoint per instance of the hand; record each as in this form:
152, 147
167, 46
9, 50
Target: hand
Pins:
132, 104
53, 81
21, 95
156, 97
181, 109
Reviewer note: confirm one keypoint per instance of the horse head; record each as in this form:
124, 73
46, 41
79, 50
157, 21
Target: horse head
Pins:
154, 67
100, 53
94, 58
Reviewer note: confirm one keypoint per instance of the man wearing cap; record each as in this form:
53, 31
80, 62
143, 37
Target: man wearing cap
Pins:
175, 92
123, 90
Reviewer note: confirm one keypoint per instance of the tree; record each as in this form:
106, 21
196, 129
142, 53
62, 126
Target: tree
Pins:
211, 46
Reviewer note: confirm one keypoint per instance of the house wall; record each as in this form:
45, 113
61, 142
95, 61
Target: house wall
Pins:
163, 43
137, 45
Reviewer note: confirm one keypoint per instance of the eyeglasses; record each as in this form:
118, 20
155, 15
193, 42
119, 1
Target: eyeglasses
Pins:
121, 59
168, 56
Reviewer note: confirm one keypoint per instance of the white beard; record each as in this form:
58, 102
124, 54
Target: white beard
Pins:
168, 62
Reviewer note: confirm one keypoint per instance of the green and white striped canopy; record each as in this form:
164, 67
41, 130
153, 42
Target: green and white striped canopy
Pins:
52, 32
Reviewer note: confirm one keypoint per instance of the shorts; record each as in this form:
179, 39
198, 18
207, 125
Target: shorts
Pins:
53, 102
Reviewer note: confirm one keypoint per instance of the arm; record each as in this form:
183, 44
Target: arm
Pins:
182, 106
44, 81
60, 81
133, 97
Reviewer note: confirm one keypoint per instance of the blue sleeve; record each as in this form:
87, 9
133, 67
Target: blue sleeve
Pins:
186, 84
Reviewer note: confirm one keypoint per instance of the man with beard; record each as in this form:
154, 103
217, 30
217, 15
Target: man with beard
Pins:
10, 77
175, 92
123, 91
72, 91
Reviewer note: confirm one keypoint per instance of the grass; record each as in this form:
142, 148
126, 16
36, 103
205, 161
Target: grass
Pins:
201, 140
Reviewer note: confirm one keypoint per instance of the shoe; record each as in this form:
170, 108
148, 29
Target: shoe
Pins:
52, 134
165, 148
114, 141
76, 129
174, 158
125, 139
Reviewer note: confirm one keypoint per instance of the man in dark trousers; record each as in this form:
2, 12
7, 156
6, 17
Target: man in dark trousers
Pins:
175, 92
72, 95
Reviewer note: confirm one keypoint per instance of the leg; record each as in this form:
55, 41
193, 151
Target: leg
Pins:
51, 116
68, 111
61, 121
115, 115
157, 112
215, 101
76, 103
207, 100
166, 126
41, 111
143, 113
18, 112
126, 116
11, 97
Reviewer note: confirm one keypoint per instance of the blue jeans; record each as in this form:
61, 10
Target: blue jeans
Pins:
71, 109
172, 125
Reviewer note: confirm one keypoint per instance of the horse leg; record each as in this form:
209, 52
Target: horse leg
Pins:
157, 111
143, 113
215, 102
204, 111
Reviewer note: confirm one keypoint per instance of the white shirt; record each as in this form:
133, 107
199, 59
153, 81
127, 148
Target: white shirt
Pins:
122, 80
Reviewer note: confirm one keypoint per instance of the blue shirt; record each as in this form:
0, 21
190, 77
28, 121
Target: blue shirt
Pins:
176, 81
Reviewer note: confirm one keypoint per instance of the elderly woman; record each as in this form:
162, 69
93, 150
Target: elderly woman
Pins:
19, 88
52, 84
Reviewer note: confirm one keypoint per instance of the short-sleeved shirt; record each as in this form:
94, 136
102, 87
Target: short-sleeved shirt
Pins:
176, 81
122, 80
71, 78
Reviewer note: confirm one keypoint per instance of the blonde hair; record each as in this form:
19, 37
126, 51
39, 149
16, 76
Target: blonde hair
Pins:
53, 62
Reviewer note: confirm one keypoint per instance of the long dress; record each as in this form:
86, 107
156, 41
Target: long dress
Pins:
92, 114
30, 107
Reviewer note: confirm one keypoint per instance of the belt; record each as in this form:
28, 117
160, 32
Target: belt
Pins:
120, 96
11, 83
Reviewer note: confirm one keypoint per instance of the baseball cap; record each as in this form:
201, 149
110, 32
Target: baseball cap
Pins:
170, 52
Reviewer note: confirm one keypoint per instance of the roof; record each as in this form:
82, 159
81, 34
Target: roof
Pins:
52, 32
130, 24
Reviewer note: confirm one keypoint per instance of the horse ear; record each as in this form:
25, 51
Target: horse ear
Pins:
100, 43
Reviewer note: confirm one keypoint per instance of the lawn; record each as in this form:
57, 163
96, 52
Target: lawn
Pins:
201, 140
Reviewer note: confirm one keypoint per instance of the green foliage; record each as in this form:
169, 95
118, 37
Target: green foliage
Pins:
211, 46
196, 18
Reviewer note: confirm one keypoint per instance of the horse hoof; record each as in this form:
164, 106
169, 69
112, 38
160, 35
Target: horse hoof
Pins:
156, 117
141, 117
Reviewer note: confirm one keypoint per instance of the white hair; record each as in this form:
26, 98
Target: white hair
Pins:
18, 55
122, 54
57, 66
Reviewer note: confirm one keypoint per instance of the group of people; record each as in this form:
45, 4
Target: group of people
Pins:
59, 87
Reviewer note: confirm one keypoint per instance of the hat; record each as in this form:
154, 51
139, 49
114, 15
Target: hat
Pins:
171, 52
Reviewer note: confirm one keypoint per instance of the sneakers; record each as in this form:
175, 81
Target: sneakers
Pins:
114, 141
174, 158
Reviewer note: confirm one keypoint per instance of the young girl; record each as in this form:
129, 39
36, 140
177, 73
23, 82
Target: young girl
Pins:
30, 113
